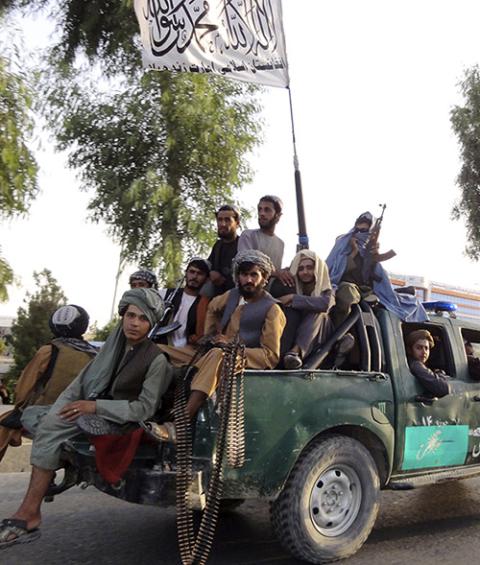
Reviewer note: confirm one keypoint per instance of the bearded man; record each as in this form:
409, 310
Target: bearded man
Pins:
247, 311
223, 251
189, 308
270, 209
305, 307
124, 384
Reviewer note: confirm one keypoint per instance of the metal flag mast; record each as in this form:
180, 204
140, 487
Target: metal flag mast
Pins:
302, 224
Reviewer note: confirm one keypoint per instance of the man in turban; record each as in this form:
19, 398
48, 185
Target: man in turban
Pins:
305, 307
124, 384
143, 279
50, 371
247, 311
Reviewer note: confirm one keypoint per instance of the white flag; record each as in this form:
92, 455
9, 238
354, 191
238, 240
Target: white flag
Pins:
241, 39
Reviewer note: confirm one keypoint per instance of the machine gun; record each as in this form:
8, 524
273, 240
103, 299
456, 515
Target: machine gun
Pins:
372, 256
163, 327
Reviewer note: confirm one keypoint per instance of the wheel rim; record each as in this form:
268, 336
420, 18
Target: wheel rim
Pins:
335, 500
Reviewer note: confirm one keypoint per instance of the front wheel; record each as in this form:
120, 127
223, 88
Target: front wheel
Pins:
330, 502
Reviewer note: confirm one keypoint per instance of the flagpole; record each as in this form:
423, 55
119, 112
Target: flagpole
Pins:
302, 224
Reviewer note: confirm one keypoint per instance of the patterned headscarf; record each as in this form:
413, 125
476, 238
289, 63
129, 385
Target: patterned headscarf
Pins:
144, 275
200, 263
252, 256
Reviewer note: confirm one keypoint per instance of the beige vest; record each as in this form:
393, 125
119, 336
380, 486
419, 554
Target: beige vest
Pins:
68, 364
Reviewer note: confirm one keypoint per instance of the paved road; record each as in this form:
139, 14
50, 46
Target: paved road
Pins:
438, 525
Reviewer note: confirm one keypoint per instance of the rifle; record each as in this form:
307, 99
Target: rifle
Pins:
372, 256
162, 327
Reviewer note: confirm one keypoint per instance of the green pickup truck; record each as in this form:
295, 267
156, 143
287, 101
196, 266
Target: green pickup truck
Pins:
321, 443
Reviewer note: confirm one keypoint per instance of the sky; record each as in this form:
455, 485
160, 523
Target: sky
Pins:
373, 84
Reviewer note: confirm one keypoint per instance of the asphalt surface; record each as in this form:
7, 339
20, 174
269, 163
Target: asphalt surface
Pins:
432, 525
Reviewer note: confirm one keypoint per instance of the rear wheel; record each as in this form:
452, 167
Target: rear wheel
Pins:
330, 502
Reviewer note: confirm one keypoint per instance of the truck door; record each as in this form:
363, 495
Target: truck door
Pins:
434, 433
468, 371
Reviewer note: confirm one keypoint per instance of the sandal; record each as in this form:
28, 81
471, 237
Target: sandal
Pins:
18, 528
292, 360
94, 425
165, 432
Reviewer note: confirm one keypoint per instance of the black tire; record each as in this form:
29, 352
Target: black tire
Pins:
330, 502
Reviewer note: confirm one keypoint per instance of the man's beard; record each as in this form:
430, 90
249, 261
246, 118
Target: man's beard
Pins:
268, 225
193, 285
250, 293
228, 235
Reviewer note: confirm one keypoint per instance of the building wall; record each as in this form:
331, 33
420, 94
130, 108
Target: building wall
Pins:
467, 300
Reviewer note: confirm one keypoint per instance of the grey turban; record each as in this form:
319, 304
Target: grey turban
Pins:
147, 299
253, 256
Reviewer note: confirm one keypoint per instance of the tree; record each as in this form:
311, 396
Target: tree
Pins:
30, 330
101, 334
6, 278
465, 121
161, 155
160, 151
18, 168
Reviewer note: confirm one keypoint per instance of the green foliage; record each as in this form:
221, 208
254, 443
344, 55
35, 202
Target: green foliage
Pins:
160, 151
6, 278
161, 155
101, 334
98, 29
465, 121
30, 329
18, 169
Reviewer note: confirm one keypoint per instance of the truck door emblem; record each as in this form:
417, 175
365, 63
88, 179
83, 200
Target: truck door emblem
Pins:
435, 446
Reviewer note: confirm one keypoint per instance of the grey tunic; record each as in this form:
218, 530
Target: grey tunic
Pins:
52, 430
315, 326
271, 245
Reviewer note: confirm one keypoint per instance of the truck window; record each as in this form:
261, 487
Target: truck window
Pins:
471, 337
471, 344
441, 356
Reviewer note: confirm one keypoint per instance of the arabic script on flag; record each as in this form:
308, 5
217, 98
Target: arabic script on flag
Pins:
241, 39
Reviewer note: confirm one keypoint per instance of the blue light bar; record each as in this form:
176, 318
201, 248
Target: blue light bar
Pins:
440, 306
